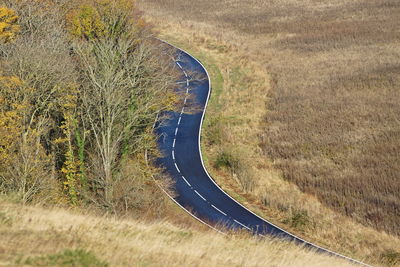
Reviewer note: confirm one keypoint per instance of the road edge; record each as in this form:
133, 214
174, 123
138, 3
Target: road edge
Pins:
296, 238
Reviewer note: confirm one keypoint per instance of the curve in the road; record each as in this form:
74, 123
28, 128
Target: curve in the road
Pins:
179, 140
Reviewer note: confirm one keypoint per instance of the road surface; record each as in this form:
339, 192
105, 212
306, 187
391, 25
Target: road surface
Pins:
179, 141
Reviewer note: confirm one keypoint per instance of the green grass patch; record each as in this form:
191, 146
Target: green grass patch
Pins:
68, 257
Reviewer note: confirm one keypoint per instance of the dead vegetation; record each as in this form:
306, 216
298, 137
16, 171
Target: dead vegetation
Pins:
331, 124
34, 236
81, 83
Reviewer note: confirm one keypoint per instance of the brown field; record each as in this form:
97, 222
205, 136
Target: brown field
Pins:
333, 118
330, 120
301, 128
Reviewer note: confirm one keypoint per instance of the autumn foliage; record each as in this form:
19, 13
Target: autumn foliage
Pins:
86, 22
80, 87
8, 24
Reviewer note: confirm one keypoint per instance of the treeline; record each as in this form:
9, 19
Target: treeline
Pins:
81, 83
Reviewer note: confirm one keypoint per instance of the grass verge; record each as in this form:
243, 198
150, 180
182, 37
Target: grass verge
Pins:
231, 145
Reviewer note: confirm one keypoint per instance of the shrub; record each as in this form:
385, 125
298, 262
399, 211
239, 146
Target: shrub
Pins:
226, 160
213, 131
238, 167
299, 219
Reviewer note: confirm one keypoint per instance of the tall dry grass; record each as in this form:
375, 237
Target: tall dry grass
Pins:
330, 125
30, 235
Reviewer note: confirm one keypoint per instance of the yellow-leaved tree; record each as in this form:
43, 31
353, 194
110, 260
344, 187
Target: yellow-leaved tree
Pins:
8, 24
73, 168
86, 22
24, 165
78, 98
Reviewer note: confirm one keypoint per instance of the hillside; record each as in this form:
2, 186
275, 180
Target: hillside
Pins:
303, 119
81, 85
34, 236
82, 82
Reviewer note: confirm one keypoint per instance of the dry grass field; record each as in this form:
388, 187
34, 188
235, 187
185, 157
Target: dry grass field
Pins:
301, 128
333, 119
325, 119
33, 236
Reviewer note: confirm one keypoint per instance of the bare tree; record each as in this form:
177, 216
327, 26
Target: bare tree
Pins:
124, 87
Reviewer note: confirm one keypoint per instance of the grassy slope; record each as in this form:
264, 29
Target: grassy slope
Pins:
236, 117
332, 126
37, 236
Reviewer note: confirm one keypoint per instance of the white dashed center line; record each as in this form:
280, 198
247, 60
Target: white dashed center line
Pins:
242, 224
200, 195
218, 210
173, 151
176, 166
186, 181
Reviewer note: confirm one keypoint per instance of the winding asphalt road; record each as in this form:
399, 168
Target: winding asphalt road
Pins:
179, 141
